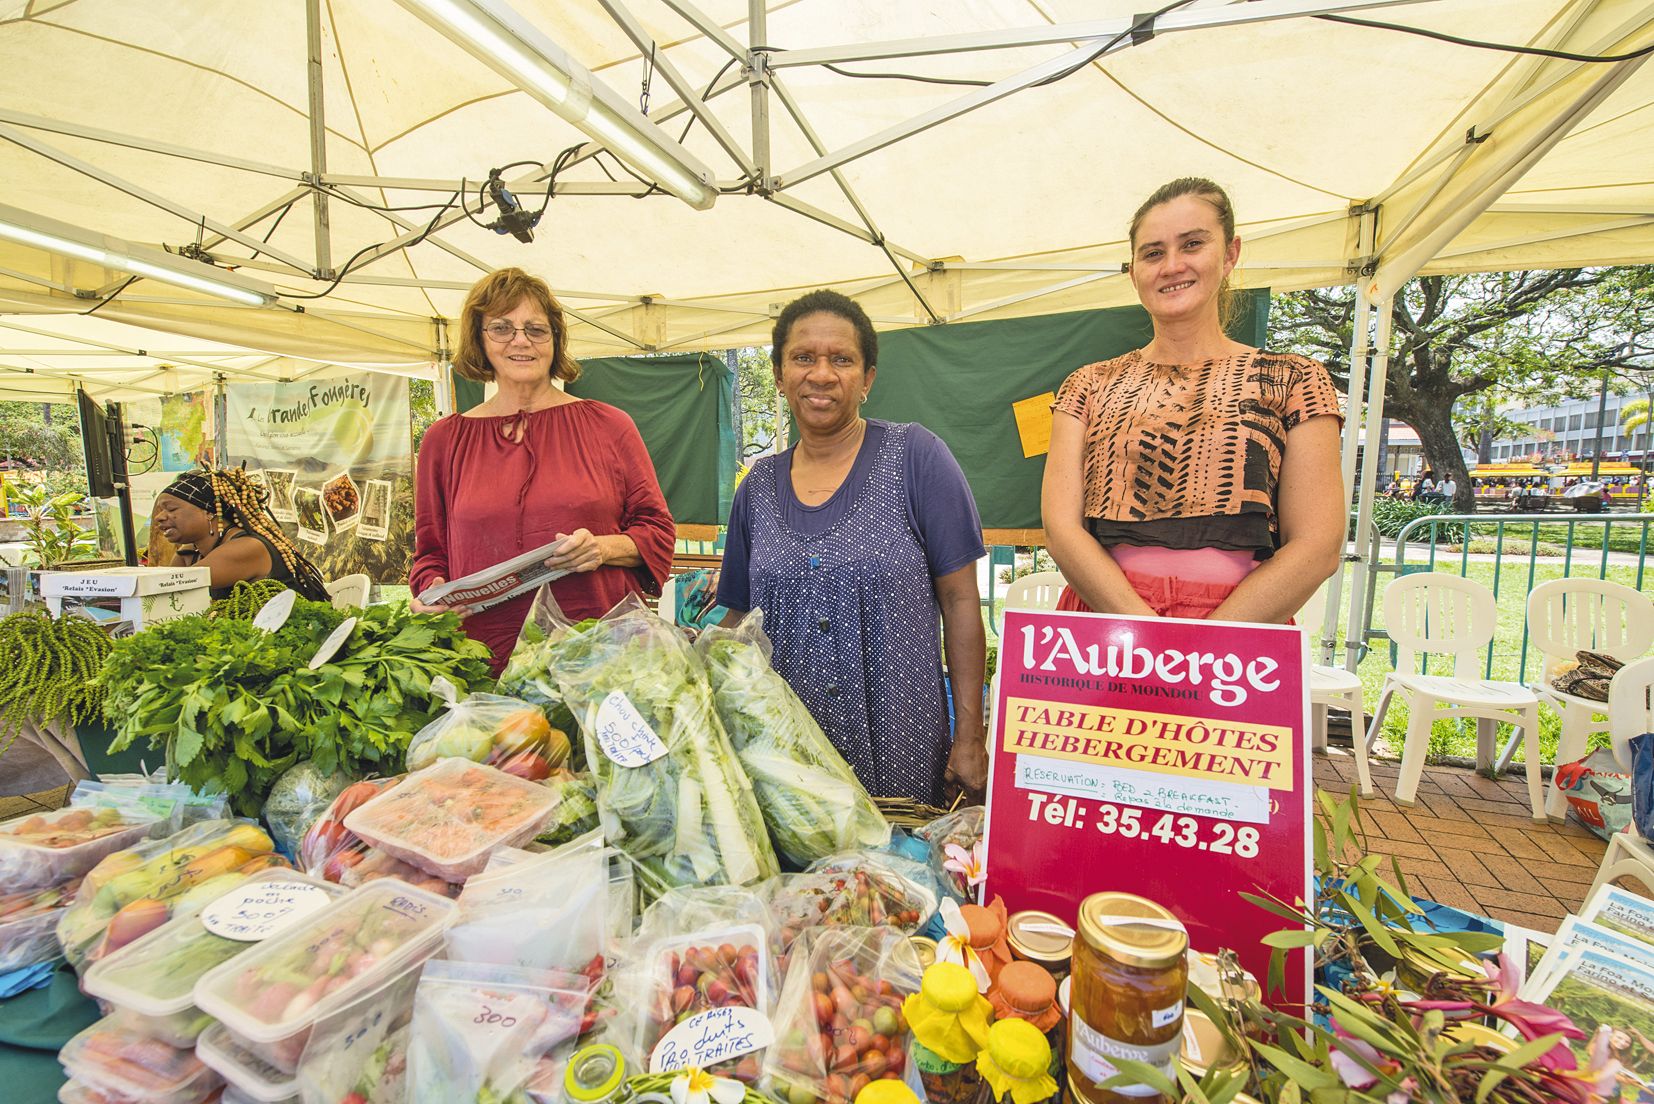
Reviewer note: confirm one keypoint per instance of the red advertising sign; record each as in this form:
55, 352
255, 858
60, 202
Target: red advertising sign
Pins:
1155, 756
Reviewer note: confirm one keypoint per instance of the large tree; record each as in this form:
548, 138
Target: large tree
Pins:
41, 435
1505, 337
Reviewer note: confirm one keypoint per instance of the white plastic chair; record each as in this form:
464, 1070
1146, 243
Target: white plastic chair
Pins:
1330, 686
1431, 613
1630, 713
1039, 591
350, 591
1564, 616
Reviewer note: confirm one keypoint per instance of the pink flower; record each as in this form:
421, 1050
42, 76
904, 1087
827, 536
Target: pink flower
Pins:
1403, 1095
1352, 1072
1531, 1020
970, 865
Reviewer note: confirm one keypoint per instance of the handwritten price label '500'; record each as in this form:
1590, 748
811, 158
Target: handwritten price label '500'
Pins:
1130, 823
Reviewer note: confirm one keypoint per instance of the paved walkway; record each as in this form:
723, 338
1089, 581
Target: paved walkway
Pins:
1469, 842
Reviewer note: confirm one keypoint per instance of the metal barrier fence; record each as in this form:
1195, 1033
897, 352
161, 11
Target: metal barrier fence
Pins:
1462, 529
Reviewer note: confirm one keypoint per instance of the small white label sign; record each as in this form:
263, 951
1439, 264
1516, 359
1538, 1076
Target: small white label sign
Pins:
713, 1036
335, 640
624, 735
262, 909
274, 613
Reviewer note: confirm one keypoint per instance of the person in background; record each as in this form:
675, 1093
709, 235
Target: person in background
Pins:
1392, 489
531, 465
1425, 487
1447, 488
1195, 477
217, 518
860, 545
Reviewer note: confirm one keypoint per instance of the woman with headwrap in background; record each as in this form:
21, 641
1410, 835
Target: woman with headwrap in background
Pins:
219, 519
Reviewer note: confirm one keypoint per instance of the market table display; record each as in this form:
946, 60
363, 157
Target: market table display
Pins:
636, 866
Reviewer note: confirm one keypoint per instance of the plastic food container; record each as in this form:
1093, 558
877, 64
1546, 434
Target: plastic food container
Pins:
28, 924
246, 1076
54, 847
154, 977
115, 1062
270, 997
448, 818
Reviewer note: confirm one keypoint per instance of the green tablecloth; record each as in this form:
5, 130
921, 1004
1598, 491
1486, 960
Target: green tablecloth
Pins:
33, 1028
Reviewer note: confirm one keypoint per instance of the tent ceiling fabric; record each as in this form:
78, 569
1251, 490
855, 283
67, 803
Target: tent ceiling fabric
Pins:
177, 121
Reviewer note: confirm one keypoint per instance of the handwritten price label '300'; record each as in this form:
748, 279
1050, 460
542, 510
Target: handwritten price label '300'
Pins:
1129, 823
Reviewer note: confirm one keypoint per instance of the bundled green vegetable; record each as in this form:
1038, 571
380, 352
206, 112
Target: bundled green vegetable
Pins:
234, 707
246, 598
688, 815
51, 666
813, 804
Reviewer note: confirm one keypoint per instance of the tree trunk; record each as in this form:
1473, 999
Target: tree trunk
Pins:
1434, 425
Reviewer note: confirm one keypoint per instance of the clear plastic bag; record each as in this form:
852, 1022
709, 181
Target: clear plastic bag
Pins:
300, 797
361, 1048
855, 889
330, 850
132, 892
669, 787
503, 732
547, 912
528, 674
480, 1031
697, 951
812, 802
46, 849
576, 812
961, 829
839, 1023
28, 924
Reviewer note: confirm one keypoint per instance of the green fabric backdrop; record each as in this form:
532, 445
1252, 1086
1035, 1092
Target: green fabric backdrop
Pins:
960, 380
683, 405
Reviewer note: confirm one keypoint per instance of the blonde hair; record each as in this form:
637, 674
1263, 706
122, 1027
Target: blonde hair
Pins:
497, 293
1203, 189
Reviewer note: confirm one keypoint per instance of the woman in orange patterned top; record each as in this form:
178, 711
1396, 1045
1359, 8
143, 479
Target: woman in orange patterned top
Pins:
1194, 477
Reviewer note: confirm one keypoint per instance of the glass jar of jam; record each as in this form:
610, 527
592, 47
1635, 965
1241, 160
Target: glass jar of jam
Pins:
1041, 938
1129, 978
1027, 991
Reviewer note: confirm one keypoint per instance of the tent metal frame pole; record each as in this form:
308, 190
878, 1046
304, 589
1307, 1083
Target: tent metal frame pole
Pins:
128, 141
1360, 615
1023, 297
443, 385
675, 79
756, 70
154, 199
1360, 345
124, 350
286, 200
318, 134
827, 218
708, 26
873, 233
1056, 34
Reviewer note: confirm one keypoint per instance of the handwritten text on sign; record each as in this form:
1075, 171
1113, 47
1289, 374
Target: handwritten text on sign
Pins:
711, 1037
261, 909
1157, 756
624, 735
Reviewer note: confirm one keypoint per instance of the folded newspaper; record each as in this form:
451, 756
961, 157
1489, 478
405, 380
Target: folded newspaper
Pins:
493, 585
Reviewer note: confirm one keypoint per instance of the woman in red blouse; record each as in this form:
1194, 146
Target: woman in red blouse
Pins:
1195, 477
531, 465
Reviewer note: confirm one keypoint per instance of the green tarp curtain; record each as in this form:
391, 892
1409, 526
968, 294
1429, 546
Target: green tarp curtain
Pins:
960, 380
682, 404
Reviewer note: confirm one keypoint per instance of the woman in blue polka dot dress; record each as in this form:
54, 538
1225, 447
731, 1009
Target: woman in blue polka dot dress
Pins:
860, 544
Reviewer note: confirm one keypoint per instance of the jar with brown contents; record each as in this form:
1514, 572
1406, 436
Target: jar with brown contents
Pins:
1129, 977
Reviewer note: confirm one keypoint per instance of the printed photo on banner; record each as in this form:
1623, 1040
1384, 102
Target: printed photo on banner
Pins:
374, 524
343, 501
256, 477
1577, 935
281, 482
312, 515
1594, 988
334, 436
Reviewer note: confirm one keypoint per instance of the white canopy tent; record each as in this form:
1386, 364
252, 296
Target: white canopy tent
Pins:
271, 138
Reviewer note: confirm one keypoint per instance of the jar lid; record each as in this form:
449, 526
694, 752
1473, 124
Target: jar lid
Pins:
1204, 1045
985, 925
1133, 930
594, 1073
1039, 937
1027, 987
925, 949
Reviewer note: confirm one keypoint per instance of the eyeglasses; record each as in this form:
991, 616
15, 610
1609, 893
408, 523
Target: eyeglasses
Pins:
502, 331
